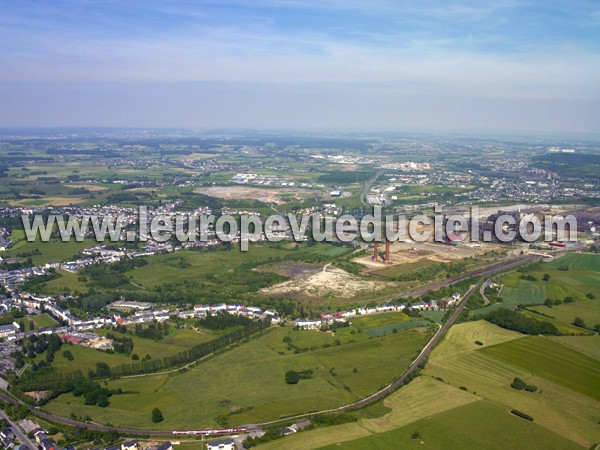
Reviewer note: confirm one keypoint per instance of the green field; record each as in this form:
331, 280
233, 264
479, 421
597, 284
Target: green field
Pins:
567, 380
476, 426
588, 310
53, 250
379, 320
186, 265
66, 282
580, 280
558, 363
176, 341
39, 321
590, 345
578, 261
400, 269
395, 327
246, 384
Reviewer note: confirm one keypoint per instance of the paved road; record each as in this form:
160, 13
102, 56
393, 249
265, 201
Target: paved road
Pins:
365, 190
22, 437
482, 288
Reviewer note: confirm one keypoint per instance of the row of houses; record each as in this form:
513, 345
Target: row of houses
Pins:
343, 316
76, 324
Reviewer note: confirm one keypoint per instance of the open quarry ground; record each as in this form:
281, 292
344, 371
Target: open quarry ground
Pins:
331, 281
410, 252
278, 196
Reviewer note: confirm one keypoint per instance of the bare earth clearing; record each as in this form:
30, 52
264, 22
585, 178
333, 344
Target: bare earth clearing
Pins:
278, 196
329, 281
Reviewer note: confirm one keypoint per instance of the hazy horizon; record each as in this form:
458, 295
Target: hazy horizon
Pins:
510, 67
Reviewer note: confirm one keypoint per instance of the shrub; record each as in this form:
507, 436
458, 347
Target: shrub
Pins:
157, 415
522, 415
518, 384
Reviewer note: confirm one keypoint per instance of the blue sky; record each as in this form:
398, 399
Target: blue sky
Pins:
369, 65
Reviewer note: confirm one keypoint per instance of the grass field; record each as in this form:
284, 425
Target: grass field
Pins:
85, 357
66, 282
590, 345
54, 250
387, 329
170, 269
588, 310
247, 383
558, 363
39, 321
563, 327
400, 269
578, 261
567, 380
379, 320
580, 280
476, 426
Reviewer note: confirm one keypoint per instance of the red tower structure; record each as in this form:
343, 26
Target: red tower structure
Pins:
387, 252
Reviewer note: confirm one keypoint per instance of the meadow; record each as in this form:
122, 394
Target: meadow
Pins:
246, 384
463, 398
579, 281
475, 426
86, 357
39, 321
560, 364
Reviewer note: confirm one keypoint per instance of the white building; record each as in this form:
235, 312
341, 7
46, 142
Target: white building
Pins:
224, 444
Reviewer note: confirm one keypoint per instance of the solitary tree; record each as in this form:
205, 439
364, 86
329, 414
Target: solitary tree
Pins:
67, 354
578, 322
156, 415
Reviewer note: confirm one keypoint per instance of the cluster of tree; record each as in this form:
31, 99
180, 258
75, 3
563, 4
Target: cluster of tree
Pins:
270, 434
57, 383
337, 325
222, 321
10, 317
94, 301
78, 191
520, 385
36, 345
92, 392
550, 303
333, 419
34, 283
294, 376
112, 275
154, 331
512, 320
20, 264
528, 277
350, 267
87, 435
121, 344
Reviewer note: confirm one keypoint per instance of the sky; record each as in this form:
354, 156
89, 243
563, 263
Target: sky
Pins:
427, 65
